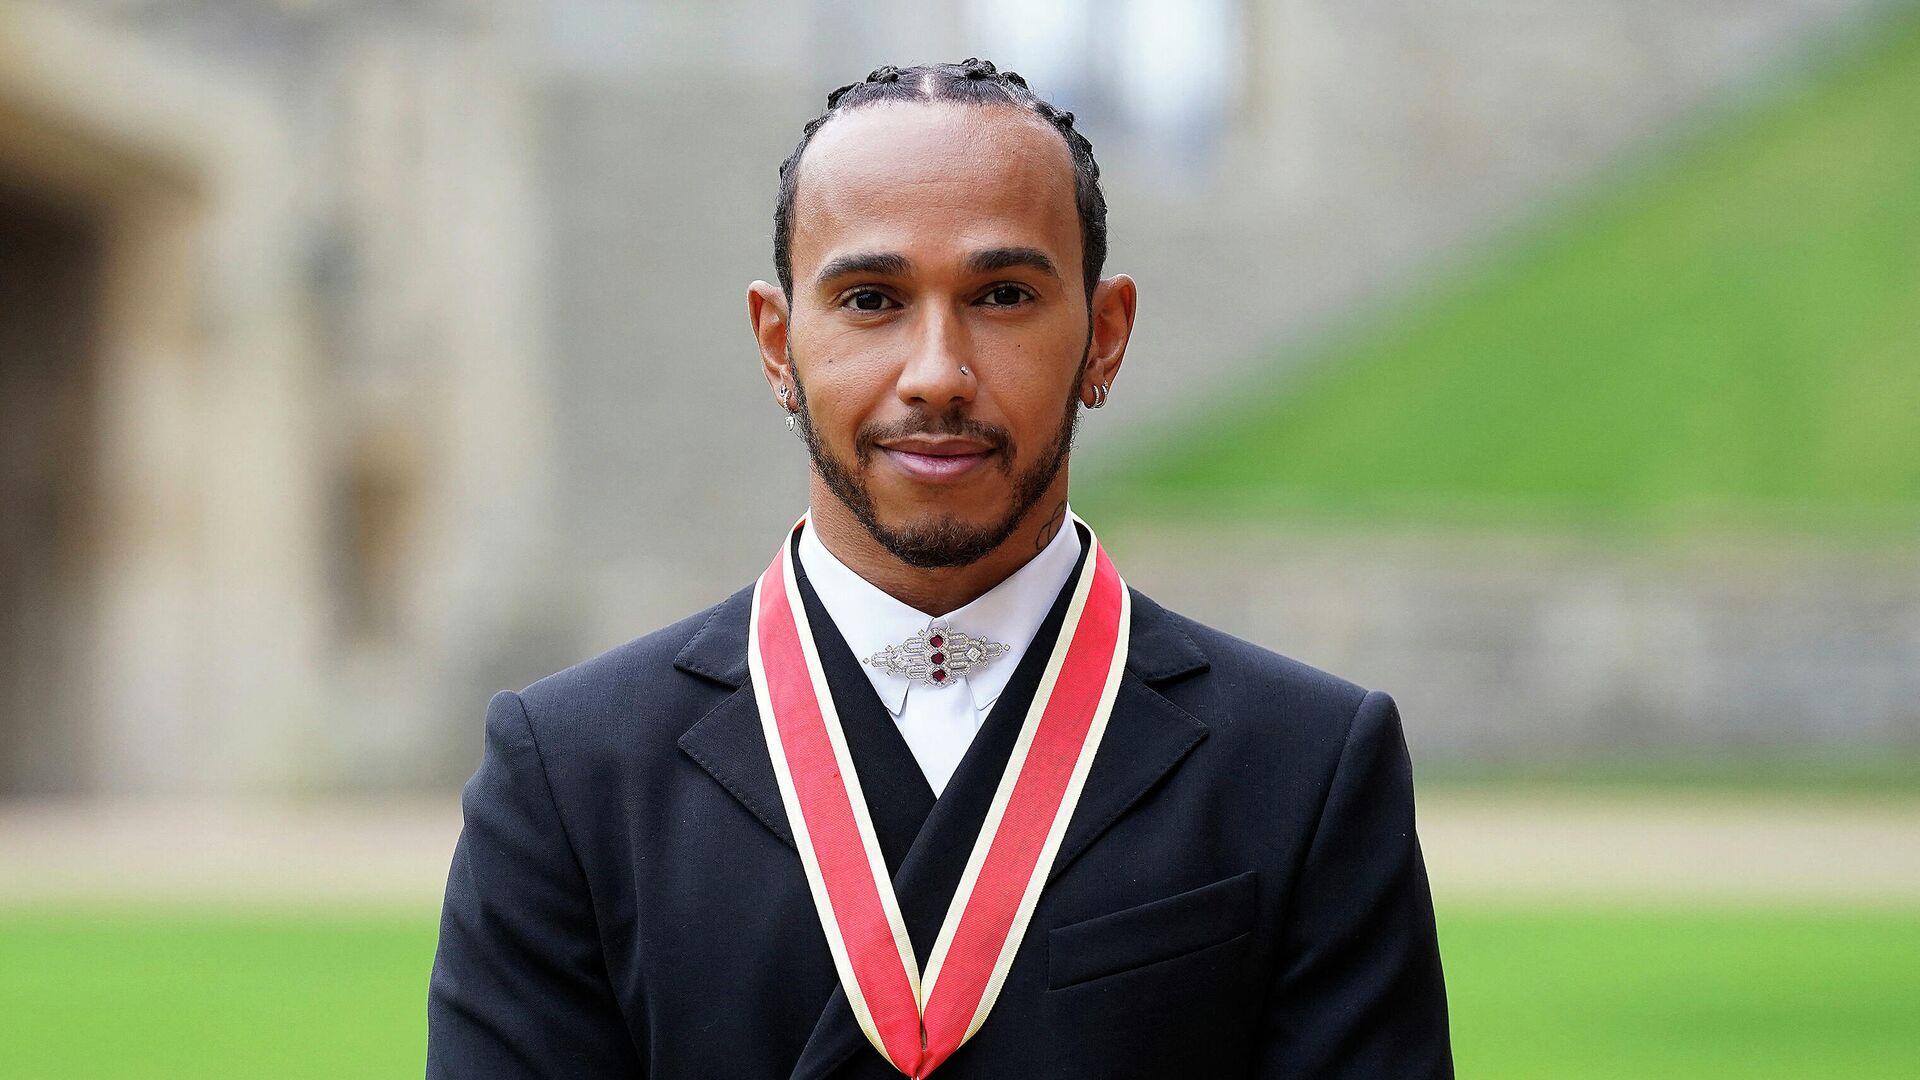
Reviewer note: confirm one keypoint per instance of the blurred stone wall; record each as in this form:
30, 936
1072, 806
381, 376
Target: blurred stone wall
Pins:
450, 377
1504, 649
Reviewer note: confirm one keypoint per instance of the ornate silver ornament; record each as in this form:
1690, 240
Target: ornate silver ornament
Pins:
937, 655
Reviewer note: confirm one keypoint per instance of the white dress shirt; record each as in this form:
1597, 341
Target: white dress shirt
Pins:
939, 721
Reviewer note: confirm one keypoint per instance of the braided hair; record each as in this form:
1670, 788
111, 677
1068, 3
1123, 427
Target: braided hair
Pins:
972, 81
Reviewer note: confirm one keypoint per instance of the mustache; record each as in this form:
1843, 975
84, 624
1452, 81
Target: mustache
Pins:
867, 440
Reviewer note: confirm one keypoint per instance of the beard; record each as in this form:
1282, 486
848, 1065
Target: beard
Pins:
942, 541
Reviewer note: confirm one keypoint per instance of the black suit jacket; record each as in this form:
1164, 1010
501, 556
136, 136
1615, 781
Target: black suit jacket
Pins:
1239, 893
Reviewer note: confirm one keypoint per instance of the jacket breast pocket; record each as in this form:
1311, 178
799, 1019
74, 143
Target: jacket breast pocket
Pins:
1161, 930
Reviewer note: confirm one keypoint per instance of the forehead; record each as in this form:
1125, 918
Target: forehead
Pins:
936, 178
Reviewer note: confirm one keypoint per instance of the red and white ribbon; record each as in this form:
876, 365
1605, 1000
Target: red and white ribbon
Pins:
916, 1022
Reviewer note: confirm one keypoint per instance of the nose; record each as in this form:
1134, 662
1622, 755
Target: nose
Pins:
933, 375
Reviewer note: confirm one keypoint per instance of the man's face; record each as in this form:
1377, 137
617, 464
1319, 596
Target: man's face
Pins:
938, 322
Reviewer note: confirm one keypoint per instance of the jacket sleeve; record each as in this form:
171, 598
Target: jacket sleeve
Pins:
519, 986
1358, 992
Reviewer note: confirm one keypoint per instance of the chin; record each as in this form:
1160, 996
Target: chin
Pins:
936, 515
942, 505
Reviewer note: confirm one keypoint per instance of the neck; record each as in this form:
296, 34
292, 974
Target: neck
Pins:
939, 590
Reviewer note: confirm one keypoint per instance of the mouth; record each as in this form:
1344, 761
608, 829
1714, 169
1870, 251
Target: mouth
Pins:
937, 459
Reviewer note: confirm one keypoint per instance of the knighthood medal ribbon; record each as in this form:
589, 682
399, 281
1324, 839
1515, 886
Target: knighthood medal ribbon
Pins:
917, 1020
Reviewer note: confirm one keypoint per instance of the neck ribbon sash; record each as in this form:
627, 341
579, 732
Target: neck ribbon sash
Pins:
916, 1021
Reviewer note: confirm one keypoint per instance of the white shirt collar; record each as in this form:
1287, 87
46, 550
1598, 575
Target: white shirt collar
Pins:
1010, 612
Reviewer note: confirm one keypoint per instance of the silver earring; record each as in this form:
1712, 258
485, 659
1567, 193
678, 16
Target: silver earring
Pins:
1099, 395
786, 392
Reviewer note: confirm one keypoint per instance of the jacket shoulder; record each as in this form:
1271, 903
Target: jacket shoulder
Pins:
649, 675
1249, 689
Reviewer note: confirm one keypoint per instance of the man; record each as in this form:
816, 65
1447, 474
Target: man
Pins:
938, 794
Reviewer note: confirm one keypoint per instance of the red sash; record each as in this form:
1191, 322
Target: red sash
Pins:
916, 1023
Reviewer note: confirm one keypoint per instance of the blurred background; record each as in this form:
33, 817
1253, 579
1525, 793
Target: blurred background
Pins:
1552, 366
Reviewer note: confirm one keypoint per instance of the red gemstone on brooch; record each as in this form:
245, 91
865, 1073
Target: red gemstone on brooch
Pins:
936, 641
939, 675
938, 658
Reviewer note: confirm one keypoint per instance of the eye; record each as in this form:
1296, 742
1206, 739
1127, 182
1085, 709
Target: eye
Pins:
1007, 295
866, 300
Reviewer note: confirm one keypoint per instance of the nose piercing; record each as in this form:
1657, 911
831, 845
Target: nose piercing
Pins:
964, 371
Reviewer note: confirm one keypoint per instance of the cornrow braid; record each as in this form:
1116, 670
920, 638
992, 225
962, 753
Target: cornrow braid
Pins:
972, 81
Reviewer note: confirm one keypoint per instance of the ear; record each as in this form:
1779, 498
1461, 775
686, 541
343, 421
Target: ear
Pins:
1114, 302
767, 312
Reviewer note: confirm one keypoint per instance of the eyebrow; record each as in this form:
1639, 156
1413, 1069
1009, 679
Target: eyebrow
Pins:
865, 262
1005, 258
891, 264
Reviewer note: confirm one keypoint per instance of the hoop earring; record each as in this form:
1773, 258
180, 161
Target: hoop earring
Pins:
1099, 396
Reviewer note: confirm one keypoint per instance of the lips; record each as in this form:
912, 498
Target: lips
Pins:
944, 459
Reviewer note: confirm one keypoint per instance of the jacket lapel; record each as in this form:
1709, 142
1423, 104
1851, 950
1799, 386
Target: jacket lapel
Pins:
1147, 735
728, 742
731, 746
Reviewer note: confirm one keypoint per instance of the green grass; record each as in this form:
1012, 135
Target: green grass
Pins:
1726, 336
1683, 995
210, 996
1539, 995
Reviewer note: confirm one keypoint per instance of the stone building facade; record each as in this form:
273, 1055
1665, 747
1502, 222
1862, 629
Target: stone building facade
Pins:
360, 358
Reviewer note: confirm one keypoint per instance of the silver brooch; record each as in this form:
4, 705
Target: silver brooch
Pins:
936, 655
